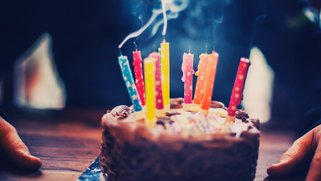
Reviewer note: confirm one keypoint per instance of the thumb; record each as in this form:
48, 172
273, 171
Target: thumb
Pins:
293, 157
14, 147
20, 155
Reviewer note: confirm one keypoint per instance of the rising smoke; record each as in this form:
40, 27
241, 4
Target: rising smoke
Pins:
170, 9
195, 18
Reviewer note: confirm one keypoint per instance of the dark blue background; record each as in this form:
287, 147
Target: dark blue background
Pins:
85, 36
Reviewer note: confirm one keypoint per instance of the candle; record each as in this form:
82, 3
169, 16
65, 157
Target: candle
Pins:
188, 71
209, 81
131, 88
165, 74
200, 84
139, 79
158, 86
237, 93
149, 73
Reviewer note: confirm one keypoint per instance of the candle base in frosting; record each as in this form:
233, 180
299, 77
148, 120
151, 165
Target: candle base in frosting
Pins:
140, 115
230, 119
191, 107
160, 113
188, 107
167, 108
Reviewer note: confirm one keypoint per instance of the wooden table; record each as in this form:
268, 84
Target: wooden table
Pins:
67, 145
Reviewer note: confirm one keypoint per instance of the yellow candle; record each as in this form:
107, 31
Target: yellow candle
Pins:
149, 74
209, 79
165, 75
200, 84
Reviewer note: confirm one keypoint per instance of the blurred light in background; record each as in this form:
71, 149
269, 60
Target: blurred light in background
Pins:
309, 14
314, 15
37, 84
258, 87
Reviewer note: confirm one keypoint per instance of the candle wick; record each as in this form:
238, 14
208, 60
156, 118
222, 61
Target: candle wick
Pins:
164, 39
135, 45
120, 52
206, 48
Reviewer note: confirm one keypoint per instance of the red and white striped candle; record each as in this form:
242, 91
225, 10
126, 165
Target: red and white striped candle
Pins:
237, 93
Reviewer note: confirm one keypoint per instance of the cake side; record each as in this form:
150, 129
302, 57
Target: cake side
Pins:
130, 151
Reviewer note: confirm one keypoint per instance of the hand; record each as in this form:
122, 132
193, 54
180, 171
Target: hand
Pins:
17, 151
303, 149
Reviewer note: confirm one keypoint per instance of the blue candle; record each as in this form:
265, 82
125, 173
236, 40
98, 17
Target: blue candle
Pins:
130, 83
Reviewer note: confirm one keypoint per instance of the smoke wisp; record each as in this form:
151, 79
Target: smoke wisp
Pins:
170, 10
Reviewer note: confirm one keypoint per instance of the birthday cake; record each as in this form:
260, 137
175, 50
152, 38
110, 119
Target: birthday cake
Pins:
185, 144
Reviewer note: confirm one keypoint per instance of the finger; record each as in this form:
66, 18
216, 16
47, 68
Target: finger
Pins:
293, 157
16, 149
314, 171
19, 153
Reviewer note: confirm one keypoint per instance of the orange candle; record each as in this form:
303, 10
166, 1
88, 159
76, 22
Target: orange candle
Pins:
200, 84
209, 81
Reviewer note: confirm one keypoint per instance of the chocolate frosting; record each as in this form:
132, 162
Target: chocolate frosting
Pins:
121, 112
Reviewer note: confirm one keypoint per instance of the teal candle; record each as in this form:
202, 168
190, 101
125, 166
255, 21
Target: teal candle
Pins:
130, 83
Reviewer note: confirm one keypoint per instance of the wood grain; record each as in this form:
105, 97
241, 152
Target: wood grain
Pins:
67, 147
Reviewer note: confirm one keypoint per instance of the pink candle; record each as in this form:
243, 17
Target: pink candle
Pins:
237, 93
158, 81
139, 79
188, 71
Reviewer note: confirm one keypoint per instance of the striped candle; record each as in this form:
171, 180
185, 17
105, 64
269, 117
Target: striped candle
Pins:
209, 79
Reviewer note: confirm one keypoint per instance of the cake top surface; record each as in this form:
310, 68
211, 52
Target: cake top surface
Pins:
185, 122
